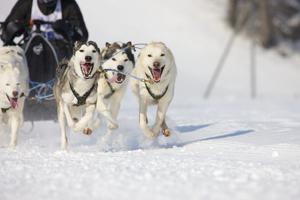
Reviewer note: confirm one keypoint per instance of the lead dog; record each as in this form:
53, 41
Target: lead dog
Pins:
14, 80
75, 89
155, 63
112, 84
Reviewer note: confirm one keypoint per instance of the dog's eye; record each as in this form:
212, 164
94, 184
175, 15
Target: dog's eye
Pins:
114, 59
81, 50
7, 84
18, 83
149, 55
162, 55
125, 60
94, 51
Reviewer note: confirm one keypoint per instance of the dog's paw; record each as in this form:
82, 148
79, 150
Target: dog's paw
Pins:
12, 146
150, 134
87, 131
112, 126
166, 132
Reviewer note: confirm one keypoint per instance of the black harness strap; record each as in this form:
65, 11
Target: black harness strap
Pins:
112, 90
154, 96
81, 100
4, 110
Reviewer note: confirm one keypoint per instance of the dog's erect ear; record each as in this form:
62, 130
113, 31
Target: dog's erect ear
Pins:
94, 44
107, 44
130, 46
77, 46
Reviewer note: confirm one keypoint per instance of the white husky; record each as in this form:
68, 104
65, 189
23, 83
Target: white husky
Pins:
119, 61
156, 63
14, 80
75, 89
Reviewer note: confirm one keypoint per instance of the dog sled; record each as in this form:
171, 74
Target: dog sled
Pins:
43, 57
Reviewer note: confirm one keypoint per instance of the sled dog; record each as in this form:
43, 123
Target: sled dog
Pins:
155, 62
112, 83
75, 89
14, 87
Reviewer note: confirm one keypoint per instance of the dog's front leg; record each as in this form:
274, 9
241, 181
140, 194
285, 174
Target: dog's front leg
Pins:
162, 108
84, 121
103, 109
61, 121
143, 119
14, 122
115, 108
68, 115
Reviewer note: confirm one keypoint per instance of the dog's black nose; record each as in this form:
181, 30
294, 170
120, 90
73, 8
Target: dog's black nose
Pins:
120, 67
156, 64
15, 93
88, 58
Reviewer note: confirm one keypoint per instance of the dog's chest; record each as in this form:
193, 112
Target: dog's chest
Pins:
154, 92
79, 91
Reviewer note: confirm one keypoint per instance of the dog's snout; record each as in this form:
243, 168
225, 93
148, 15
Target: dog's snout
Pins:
88, 58
156, 64
120, 67
15, 93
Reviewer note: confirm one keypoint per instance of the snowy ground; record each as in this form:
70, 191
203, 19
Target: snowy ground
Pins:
228, 147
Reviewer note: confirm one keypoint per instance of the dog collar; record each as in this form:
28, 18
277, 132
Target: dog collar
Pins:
81, 100
154, 96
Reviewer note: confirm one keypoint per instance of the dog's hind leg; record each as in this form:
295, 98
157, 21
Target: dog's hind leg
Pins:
62, 124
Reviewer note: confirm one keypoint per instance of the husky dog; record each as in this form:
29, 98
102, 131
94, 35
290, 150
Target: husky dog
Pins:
14, 84
155, 63
112, 83
75, 89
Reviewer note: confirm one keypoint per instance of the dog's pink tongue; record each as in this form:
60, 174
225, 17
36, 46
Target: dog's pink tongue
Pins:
13, 103
156, 74
112, 79
86, 68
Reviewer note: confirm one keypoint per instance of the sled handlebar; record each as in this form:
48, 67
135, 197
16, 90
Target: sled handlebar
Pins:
40, 22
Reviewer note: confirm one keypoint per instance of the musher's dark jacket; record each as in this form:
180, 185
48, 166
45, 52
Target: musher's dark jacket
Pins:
70, 12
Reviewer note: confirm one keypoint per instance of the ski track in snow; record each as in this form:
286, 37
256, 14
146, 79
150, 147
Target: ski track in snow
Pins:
226, 148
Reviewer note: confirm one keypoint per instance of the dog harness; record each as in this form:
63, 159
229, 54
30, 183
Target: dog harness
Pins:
81, 100
112, 90
155, 96
4, 110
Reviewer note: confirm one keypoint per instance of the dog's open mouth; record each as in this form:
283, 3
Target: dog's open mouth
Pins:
86, 68
156, 73
117, 78
120, 78
13, 101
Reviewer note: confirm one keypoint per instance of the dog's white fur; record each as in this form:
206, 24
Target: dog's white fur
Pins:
65, 98
112, 103
14, 79
154, 52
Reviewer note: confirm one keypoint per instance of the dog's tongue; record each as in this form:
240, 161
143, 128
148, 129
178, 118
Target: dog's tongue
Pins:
112, 79
156, 74
14, 103
86, 68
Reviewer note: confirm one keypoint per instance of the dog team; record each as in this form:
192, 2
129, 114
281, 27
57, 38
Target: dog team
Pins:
90, 86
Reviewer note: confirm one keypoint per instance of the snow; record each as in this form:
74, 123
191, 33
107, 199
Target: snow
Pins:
227, 147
